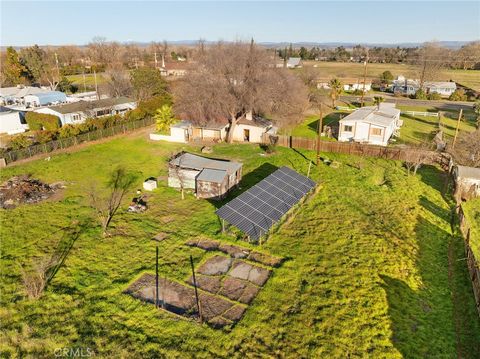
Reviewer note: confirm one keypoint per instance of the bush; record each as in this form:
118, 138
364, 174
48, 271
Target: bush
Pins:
101, 123
19, 141
458, 95
69, 131
45, 136
420, 95
42, 121
434, 96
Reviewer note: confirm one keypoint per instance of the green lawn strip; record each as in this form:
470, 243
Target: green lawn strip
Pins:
366, 270
472, 214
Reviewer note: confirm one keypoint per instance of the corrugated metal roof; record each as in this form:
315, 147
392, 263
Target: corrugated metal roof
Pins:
371, 114
209, 175
188, 160
468, 172
48, 97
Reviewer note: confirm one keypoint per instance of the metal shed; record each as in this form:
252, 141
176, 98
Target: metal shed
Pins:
209, 178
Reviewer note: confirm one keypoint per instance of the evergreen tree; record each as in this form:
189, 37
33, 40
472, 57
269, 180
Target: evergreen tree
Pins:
13, 70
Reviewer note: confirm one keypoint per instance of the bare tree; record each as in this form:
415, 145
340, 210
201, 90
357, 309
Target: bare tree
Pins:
117, 81
467, 149
177, 169
417, 156
35, 280
430, 59
231, 80
106, 206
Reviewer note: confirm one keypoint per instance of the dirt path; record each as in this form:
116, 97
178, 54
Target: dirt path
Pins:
144, 131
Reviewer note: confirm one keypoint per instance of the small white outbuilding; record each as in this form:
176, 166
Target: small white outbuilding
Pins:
467, 182
12, 121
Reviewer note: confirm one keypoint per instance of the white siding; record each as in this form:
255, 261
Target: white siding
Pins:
255, 133
10, 123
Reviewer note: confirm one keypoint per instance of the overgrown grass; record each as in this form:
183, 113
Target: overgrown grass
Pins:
367, 271
472, 214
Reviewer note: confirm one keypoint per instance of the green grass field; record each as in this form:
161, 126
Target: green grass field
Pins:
372, 269
472, 213
470, 78
89, 80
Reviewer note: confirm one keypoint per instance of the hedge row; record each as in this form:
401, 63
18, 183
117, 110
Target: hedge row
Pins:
42, 121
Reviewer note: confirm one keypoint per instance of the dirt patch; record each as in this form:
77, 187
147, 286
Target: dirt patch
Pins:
180, 299
234, 251
239, 290
211, 284
265, 259
26, 190
249, 272
217, 265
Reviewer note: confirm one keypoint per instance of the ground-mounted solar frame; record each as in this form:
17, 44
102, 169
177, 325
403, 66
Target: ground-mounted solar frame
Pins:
256, 210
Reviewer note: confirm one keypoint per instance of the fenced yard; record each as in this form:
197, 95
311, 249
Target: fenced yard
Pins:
30, 151
365, 270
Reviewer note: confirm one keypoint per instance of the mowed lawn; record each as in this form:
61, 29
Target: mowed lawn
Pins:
89, 80
372, 268
470, 78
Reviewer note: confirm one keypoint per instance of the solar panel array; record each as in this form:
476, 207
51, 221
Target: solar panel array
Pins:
256, 210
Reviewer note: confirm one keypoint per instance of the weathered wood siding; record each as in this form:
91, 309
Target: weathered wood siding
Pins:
177, 177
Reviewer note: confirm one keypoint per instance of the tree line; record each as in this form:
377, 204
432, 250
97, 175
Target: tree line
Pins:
466, 57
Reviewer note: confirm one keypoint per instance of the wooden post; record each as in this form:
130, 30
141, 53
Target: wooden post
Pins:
156, 278
364, 79
458, 125
196, 291
319, 131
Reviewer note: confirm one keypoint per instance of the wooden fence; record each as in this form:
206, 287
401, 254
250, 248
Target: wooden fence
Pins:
16, 155
472, 262
359, 149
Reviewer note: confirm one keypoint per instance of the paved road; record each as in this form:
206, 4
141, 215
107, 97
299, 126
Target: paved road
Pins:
439, 105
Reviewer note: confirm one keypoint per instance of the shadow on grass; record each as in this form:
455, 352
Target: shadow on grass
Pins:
437, 318
432, 176
330, 120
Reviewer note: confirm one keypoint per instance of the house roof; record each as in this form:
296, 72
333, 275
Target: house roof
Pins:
447, 84
82, 106
210, 175
188, 160
45, 98
294, 61
381, 116
468, 172
20, 92
257, 121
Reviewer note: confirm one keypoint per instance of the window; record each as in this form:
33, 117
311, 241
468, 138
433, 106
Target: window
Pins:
75, 117
376, 131
103, 112
348, 128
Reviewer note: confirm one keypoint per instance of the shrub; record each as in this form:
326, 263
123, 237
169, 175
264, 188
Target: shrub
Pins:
149, 107
420, 95
101, 123
45, 136
434, 96
19, 141
69, 131
42, 121
458, 95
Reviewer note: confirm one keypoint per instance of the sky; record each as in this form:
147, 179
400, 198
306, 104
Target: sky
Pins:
74, 22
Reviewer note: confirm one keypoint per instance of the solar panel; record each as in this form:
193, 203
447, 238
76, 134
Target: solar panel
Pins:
256, 210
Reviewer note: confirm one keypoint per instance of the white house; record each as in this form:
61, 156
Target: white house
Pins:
78, 112
357, 86
373, 125
15, 95
12, 121
248, 129
410, 87
294, 62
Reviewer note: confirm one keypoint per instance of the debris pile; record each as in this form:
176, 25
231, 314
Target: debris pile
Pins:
25, 190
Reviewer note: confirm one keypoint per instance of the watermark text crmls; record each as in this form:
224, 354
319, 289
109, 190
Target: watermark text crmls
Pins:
74, 352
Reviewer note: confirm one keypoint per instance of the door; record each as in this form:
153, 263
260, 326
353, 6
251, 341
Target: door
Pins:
246, 135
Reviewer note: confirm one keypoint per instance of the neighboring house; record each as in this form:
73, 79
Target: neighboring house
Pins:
357, 86
45, 99
248, 129
12, 121
83, 96
174, 69
15, 95
294, 62
467, 182
445, 89
373, 125
78, 112
209, 178
406, 86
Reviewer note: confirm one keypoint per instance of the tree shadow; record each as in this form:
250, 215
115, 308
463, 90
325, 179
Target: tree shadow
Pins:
427, 320
329, 120
432, 176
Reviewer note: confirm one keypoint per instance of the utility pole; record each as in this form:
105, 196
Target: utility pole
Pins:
364, 78
458, 125
96, 85
156, 63
58, 69
196, 291
319, 132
